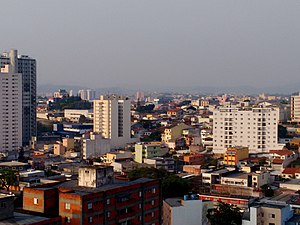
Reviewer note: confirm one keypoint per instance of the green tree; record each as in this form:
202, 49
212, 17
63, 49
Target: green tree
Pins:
8, 177
82, 119
147, 172
225, 214
174, 186
145, 109
282, 132
267, 190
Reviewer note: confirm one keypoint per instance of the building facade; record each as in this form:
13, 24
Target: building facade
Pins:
234, 154
26, 66
10, 111
103, 202
112, 119
191, 211
295, 108
255, 128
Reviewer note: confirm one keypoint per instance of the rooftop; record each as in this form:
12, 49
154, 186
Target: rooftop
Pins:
80, 190
23, 219
174, 202
13, 163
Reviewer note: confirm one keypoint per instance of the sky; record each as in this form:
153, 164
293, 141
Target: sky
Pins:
156, 43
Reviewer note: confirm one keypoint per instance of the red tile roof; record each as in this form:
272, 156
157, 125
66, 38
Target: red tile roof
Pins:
277, 161
282, 152
291, 171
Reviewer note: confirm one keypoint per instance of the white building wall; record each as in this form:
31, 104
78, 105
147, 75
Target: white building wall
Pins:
95, 146
10, 110
74, 114
256, 128
189, 213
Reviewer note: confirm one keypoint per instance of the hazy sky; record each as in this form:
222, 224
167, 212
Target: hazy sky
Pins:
139, 43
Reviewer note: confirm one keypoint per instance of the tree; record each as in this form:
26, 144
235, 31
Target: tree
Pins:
282, 131
267, 190
82, 119
225, 214
145, 109
8, 177
147, 172
174, 186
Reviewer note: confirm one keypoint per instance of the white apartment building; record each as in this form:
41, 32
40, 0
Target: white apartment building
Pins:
112, 119
87, 94
256, 128
26, 66
10, 111
295, 108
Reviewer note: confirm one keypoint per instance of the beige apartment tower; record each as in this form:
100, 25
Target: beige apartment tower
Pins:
112, 119
10, 110
295, 108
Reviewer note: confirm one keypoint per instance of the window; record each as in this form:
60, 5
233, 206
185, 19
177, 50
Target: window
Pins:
90, 219
152, 202
90, 205
153, 190
140, 194
67, 219
35, 201
107, 201
271, 215
67, 206
108, 214
3, 205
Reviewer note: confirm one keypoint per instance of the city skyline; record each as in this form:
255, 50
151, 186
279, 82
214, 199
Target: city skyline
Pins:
141, 44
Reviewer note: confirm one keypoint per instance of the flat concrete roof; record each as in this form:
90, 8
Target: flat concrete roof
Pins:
22, 219
13, 163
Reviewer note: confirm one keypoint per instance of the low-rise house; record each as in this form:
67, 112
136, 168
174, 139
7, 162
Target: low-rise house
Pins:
255, 180
192, 169
271, 214
291, 173
195, 159
117, 156
234, 154
148, 150
283, 157
161, 163
171, 134
214, 177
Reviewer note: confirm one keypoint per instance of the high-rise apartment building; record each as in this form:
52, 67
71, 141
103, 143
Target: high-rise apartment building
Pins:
87, 94
295, 108
255, 128
10, 111
112, 119
26, 66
